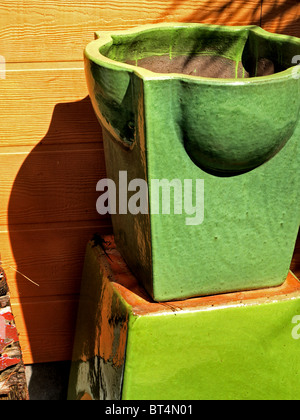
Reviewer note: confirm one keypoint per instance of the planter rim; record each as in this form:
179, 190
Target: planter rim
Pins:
92, 52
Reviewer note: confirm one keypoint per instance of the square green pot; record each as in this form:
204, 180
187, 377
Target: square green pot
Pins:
237, 137
234, 346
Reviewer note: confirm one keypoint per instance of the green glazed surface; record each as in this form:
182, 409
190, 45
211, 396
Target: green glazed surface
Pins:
232, 349
239, 135
229, 353
213, 138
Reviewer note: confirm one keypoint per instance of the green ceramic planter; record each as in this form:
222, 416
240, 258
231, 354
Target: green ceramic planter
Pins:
233, 346
232, 121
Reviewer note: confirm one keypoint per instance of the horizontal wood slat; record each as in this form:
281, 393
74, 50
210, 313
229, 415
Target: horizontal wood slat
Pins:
46, 328
47, 186
35, 31
282, 16
46, 105
50, 256
51, 158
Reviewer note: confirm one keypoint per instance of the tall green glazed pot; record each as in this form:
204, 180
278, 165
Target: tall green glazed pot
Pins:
225, 150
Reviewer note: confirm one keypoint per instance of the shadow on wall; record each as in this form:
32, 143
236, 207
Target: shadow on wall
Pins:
52, 215
295, 266
265, 13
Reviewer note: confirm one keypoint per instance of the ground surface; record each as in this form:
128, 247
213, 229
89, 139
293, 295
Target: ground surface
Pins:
48, 381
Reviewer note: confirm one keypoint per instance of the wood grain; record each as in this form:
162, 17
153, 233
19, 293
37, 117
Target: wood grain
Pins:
51, 157
35, 31
282, 16
50, 185
46, 104
51, 256
46, 328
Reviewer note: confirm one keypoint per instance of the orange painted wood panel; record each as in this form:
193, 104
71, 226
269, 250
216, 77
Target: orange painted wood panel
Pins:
46, 328
51, 158
50, 184
35, 31
282, 16
46, 105
51, 255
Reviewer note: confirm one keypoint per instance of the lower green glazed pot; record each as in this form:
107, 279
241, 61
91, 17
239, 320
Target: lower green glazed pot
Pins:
234, 346
216, 145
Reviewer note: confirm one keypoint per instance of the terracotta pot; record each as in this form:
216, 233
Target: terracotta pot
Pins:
210, 103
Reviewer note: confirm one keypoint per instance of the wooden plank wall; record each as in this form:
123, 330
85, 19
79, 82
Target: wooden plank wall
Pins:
51, 153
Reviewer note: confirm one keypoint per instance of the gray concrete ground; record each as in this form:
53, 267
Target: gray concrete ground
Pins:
48, 381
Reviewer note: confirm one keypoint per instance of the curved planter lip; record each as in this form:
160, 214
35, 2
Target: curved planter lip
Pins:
92, 52
108, 81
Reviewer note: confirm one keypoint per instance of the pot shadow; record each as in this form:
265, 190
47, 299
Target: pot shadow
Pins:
51, 217
295, 266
